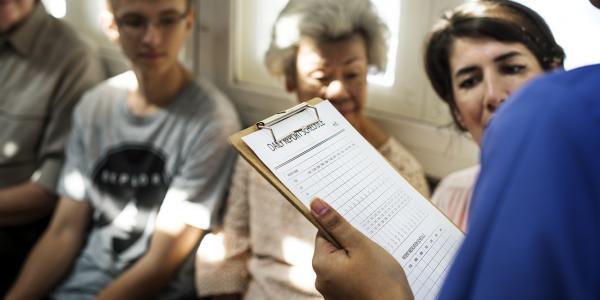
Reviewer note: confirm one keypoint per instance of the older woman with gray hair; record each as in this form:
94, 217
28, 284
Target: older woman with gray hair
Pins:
321, 48
325, 49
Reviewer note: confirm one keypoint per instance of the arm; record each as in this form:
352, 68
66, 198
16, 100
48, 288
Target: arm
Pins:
34, 200
374, 273
226, 297
171, 243
52, 256
25, 203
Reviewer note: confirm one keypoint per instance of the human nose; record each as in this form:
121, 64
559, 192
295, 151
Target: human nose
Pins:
495, 93
151, 34
336, 90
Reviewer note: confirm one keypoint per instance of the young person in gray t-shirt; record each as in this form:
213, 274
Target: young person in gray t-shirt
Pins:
146, 163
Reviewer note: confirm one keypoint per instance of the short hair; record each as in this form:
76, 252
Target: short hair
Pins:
325, 20
111, 3
501, 20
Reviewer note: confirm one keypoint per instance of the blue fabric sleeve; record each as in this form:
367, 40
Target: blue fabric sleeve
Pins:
535, 217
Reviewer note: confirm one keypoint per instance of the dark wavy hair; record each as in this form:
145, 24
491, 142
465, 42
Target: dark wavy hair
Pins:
501, 20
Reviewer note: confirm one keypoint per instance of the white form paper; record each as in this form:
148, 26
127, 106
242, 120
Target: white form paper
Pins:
331, 160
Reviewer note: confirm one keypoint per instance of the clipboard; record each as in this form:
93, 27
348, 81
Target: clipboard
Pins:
318, 153
247, 153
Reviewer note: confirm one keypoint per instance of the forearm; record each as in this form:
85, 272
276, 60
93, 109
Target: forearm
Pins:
25, 203
142, 281
153, 272
224, 297
46, 265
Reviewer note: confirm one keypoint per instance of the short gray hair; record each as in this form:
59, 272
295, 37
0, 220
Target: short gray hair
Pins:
325, 20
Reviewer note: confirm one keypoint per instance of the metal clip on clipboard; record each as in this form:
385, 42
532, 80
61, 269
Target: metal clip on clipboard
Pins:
281, 116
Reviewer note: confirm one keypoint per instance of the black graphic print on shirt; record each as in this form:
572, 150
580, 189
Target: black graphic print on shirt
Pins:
132, 183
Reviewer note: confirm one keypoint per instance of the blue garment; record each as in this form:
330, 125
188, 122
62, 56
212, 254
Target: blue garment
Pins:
535, 218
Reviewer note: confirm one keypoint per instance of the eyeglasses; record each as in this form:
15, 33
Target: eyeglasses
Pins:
135, 25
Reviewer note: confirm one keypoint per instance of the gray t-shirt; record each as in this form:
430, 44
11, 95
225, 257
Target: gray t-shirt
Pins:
129, 167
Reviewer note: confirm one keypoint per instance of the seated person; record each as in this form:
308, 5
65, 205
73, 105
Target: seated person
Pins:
476, 56
268, 243
146, 162
45, 67
534, 233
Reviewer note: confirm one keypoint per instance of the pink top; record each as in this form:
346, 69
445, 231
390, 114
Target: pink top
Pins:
453, 195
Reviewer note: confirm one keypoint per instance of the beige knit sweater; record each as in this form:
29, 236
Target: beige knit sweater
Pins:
269, 245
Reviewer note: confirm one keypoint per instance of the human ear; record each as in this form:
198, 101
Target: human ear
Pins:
557, 63
109, 26
190, 20
290, 83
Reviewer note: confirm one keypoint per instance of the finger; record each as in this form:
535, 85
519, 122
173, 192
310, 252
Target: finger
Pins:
335, 224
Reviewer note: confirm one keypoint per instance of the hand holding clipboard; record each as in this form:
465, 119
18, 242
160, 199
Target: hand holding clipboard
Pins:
311, 151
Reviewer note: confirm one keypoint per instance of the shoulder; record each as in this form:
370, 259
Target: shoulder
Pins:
399, 156
67, 55
539, 151
556, 119
580, 79
457, 186
554, 94
464, 178
575, 91
209, 97
116, 84
562, 102
405, 163
103, 96
392, 149
58, 38
210, 108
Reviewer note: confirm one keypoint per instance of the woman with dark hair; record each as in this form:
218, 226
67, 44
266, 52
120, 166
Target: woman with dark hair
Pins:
475, 57
535, 222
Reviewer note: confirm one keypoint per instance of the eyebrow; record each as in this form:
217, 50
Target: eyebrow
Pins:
353, 60
320, 65
500, 58
506, 56
163, 13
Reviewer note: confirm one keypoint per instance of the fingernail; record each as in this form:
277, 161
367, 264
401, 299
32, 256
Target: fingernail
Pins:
319, 207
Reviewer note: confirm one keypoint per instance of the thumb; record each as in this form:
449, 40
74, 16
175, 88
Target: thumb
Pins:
342, 231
